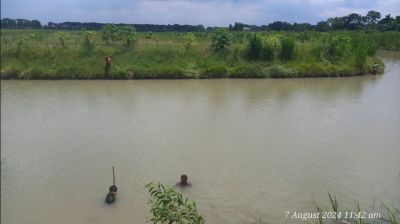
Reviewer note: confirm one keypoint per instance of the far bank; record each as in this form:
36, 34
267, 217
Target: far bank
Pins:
33, 54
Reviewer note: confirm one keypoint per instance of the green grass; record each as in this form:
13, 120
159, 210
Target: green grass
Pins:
39, 54
387, 214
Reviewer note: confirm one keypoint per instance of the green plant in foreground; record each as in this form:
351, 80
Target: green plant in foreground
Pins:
334, 203
169, 206
393, 217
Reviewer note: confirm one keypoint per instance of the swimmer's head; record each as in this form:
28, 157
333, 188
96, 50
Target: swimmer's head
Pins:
184, 179
113, 188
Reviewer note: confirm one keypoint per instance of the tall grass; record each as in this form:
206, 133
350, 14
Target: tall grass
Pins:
287, 52
389, 215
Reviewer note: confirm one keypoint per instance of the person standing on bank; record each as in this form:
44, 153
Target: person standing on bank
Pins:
107, 61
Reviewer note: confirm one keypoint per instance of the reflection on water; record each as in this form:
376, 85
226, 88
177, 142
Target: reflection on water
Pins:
251, 148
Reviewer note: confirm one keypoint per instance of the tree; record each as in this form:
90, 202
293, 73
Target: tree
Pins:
373, 17
278, 25
88, 42
8, 23
353, 21
302, 26
238, 26
322, 26
168, 206
109, 33
127, 34
337, 23
220, 40
36, 24
24, 23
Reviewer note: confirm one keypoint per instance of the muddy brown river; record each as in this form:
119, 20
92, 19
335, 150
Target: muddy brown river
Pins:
251, 148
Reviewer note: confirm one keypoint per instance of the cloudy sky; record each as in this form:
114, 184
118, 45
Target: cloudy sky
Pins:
206, 12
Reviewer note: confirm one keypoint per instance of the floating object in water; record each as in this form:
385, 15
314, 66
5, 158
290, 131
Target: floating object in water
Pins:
110, 198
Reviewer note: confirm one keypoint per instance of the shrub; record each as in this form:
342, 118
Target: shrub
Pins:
190, 40
168, 206
88, 42
128, 34
62, 37
337, 46
220, 40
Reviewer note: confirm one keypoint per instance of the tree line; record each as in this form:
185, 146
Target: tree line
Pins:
371, 21
35, 24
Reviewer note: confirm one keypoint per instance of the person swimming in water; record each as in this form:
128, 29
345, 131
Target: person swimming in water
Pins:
184, 182
110, 198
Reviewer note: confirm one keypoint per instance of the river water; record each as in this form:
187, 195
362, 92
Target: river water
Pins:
251, 148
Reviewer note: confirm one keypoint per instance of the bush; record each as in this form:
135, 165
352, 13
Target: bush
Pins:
220, 40
190, 40
88, 43
337, 46
287, 49
168, 206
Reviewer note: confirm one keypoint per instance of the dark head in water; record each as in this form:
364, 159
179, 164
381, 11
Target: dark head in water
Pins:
184, 181
113, 188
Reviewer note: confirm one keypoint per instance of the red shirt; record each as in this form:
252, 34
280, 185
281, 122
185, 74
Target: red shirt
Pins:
107, 60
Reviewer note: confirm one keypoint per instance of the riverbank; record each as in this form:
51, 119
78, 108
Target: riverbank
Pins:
43, 54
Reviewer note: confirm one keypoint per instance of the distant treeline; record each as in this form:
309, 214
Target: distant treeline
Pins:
371, 21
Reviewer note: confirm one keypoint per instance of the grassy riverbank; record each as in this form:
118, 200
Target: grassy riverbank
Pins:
44, 54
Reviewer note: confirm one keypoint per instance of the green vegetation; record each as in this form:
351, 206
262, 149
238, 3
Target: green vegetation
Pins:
47, 54
386, 214
168, 206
